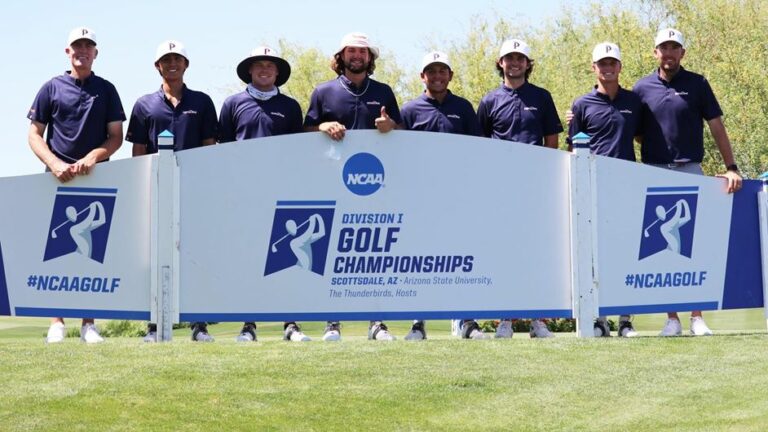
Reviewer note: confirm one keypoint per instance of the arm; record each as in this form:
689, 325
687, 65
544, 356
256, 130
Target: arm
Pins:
717, 128
110, 146
139, 149
60, 169
551, 141
313, 123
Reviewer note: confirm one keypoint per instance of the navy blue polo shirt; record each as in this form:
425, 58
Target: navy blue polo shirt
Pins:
76, 113
192, 121
526, 114
355, 107
243, 117
672, 116
454, 115
611, 124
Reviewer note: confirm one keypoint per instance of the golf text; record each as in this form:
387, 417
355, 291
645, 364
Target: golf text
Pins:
379, 238
73, 283
665, 280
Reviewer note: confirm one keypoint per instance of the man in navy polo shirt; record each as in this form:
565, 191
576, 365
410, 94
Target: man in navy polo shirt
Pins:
437, 110
188, 114
675, 103
261, 111
84, 117
521, 112
610, 115
353, 101
518, 110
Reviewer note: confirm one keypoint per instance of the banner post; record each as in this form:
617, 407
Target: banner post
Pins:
165, 236
583, 282
762, 206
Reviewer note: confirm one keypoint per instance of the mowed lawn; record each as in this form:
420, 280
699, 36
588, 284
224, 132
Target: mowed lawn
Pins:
565, 383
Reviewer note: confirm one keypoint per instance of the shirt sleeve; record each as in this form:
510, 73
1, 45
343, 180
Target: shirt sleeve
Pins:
315, 110
393, 110
226, 122
138, 130
483, 118
295, 124
41, 106
471, 124
210, 124
115, 110
576, 122
710, 107
407, 123
552, 124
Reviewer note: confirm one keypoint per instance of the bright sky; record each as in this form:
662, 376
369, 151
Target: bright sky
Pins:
218, 35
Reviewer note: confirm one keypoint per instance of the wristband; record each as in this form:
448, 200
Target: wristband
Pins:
732, 167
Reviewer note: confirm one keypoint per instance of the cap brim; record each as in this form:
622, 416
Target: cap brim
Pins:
436, 62
374, 51
83, 38
605, 57
283, 69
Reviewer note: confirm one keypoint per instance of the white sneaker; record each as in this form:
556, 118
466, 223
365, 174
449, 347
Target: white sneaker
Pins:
332, 332
699, 327
200, 333
471, 330
89, 334
56, 333
540, 330
417, 332
504, 330
379, 331
294, 334
247, 333
672, 328
150, 337
626, 329
602, 329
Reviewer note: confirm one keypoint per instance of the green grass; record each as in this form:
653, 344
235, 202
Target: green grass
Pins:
647, 383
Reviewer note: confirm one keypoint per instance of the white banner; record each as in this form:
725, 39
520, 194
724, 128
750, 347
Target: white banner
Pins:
79, 249
663, 238
397, 225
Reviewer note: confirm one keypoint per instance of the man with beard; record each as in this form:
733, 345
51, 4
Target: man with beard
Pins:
521, 112
674, 103
84, 117
353, 101
188, 114
437, 110
261, 111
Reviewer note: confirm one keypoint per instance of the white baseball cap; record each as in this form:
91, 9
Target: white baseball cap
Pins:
606, 50
669, 35
359, 40
170, 47
81, 33
515, 46
435, 57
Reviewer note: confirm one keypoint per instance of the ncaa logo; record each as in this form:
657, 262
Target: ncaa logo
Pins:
669, 220
80, 222
363, 174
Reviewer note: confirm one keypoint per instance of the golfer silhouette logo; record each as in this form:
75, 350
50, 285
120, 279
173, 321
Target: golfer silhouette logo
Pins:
80, 223
299, 236
668, 222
